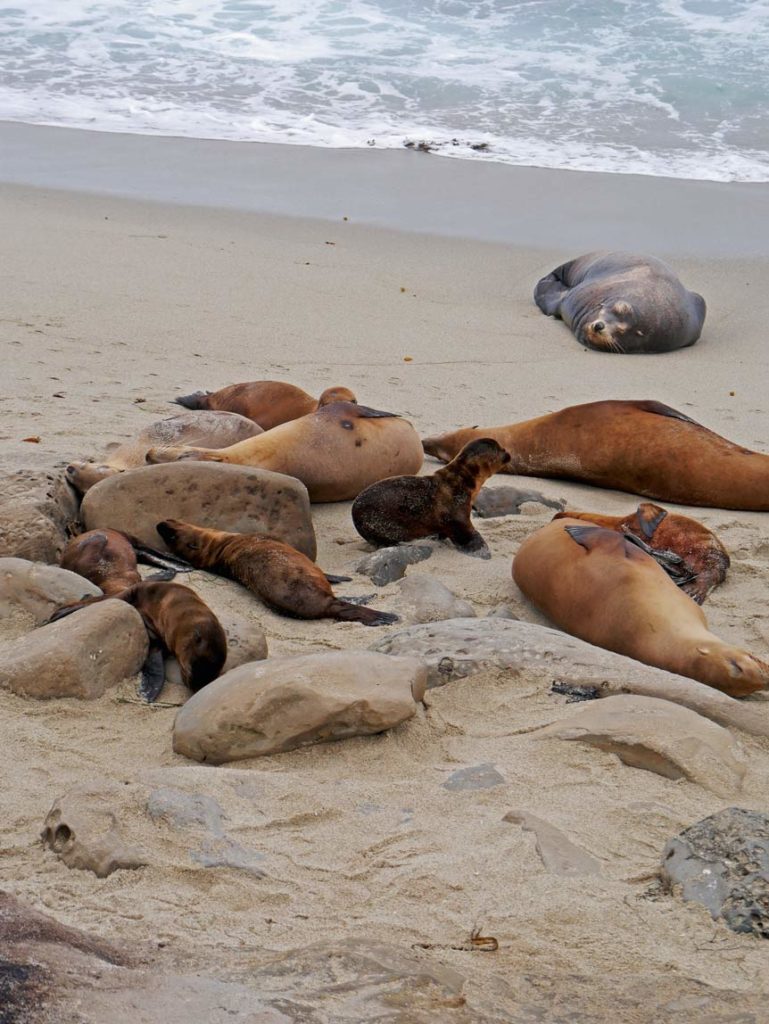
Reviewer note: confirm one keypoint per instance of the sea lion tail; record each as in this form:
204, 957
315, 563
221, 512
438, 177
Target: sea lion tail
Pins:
197, 400
348, 612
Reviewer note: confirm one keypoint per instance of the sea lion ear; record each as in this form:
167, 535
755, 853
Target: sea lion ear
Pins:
623, 309
649, 517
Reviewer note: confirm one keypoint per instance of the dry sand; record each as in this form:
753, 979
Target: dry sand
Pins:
112, 306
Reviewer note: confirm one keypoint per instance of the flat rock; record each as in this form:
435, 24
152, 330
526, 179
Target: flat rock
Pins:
501, 611
425, 599
458, 648
36, 507
389, 564
659, 736
491, 502
556, 851
722, 862
283, 703
237, 499
477, 776
82, 655
39, 589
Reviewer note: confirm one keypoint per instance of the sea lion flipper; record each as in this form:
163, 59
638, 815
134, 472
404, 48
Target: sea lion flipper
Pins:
163, 560
153, 673
164, 575
588, 537
660, 409
649, 517
367, 413
337, 579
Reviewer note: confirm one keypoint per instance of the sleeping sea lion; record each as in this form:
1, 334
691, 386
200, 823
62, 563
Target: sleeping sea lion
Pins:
404, 508
642, 447
210, 429
335, 452
620, 302
598, 585
109, 559
699, 560
267, 402
281, 576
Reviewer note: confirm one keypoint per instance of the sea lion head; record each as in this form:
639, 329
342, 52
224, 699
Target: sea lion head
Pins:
83, 475
485, 455
336, 394
731, 669
611, 329
202, 653
183, 539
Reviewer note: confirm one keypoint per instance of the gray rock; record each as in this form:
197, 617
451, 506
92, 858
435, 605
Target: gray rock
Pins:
477, 776
389, 564
82, 655
501, 611
36, 507
185, 810
557, 852
283, 703
722, 862
458, 648
491, 502
237, 499
39, 589
425, 599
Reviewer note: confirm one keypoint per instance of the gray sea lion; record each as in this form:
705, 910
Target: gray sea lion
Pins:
621, 302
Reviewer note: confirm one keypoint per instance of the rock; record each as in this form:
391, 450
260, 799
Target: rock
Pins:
502, 611
389, 564
458, 648
558, 853
659, 736
427, 600
237, 499
82, 655
491, 502
276, 705
39, 589
36, 508
478, 776
722, 862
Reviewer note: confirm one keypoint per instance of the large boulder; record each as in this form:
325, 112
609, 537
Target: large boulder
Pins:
237, 499
39, 589
82, 655
36, 508
276, 705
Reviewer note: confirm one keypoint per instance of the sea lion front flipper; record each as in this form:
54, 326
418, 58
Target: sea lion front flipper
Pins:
660, 409
367, 413
468, 540
649, 517
164, 575
151, 556
337, 579
549, 294
676, 567
153, 673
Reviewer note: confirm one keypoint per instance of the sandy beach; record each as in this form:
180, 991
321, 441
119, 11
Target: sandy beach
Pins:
409, 281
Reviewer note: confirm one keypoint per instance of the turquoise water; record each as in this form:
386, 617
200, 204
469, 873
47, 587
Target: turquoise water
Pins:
665, 87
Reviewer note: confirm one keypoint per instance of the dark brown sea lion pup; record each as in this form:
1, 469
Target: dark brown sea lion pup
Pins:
281, 576
645, 448
702, 560
600, 586
336, 452
109, 559
621, 302
405, 508
267, 402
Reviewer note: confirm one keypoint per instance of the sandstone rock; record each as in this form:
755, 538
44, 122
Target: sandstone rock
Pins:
558, 853
35, 509
425, 599
458, 648
276, 705
477, 776
39, 589
237, 499
491, 502
82, 655
659, 736
501, 611
722, 862
390, 564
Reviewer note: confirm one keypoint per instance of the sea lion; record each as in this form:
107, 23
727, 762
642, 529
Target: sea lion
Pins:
335, 452
598, 585
643, 447
267, 402
404, 508
109, 560
621, 302
281, 576
700, 561
209, 429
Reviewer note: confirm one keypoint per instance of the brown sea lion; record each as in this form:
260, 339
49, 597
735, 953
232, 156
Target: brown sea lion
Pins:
404, 508
700, 561
643, 447
209, 429
267, 402
109, 560
621, 302
600, 586
281, 576
335, 452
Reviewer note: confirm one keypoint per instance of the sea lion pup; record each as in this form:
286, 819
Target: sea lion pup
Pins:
700, 561
621, 302
210, 429
109, 559
405, 508
336, 452
267, 402
600, 586
281, 576
643, 447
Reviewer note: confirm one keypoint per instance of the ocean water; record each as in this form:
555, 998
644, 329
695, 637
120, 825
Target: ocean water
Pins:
663, 87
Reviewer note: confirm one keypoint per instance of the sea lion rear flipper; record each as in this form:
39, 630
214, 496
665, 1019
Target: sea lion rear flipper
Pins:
649, 517
676, 567
153, 673
163, 560
367, 413
164, 574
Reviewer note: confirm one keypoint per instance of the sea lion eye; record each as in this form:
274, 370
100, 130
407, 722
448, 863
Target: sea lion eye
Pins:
347, 424
599, 325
